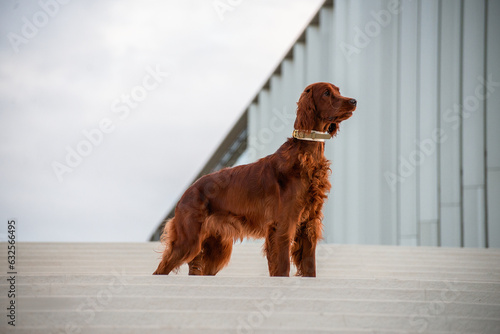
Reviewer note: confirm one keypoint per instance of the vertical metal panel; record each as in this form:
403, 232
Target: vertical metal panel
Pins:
328, 58
428, 137
335, 210
299, 68
253, 146
364, 129
349, 135
474, 232
326, 41
313, 57
287, 111
450, 232
262, 136
276, 129
387, 121
493, 205
492, 121
408, 121
449, 124
473, 125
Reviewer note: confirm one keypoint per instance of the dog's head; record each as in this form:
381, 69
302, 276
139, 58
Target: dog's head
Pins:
322, 108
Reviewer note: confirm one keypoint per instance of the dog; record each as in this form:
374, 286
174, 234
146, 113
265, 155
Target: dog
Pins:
279, 198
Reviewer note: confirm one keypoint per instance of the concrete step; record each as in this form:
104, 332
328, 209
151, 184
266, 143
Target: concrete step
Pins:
298, 291
244, 304
244, 328
108, 287
257, 282
146, 266
269, 319
251, 249
262, 271
344, 263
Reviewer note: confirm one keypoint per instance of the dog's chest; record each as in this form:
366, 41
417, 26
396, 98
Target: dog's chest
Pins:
315, 172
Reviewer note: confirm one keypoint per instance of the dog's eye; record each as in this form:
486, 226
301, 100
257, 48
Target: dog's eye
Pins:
327, 93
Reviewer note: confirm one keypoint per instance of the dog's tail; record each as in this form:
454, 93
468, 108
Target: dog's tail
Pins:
167, 237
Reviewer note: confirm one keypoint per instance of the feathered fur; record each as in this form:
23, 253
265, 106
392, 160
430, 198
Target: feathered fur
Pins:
279, 198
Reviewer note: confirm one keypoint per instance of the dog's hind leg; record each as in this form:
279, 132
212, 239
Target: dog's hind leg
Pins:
183, 243
270, 248
196, 265
216, 254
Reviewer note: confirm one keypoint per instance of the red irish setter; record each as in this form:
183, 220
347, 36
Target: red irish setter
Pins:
279, 197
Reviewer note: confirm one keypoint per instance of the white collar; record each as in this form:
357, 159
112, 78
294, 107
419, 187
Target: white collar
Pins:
311, 135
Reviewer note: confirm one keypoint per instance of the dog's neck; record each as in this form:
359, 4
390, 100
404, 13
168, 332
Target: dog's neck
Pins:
311, 135
316, 148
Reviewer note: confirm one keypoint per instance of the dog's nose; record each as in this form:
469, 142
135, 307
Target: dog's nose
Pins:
353, 102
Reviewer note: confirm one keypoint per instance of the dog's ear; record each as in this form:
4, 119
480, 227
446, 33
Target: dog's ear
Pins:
306, 111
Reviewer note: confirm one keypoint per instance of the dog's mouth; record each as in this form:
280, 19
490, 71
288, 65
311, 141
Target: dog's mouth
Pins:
332, 128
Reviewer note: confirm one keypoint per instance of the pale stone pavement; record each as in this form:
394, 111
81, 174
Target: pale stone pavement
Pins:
103, 288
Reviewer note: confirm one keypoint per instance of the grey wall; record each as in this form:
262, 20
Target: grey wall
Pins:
419, 162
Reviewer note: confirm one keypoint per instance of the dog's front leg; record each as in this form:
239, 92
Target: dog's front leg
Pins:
304, 248
277, 250
283, 256
308, 265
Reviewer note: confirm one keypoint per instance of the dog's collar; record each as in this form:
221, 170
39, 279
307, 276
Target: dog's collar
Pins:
311, 136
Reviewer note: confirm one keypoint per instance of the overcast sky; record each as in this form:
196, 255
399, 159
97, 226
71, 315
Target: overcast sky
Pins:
109, 108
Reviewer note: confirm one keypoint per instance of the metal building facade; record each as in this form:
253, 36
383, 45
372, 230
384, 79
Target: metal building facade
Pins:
419, 162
